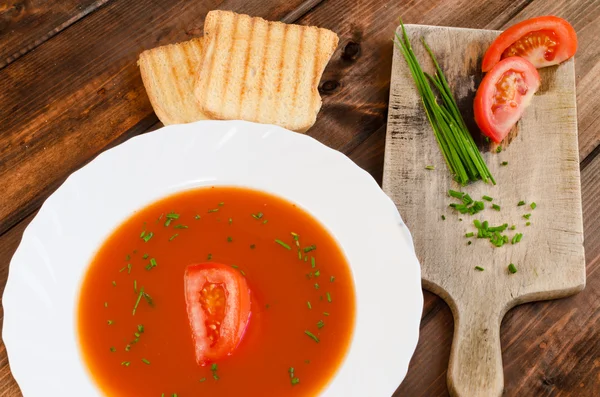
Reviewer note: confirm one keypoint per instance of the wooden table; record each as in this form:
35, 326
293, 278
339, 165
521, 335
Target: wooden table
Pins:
70, 88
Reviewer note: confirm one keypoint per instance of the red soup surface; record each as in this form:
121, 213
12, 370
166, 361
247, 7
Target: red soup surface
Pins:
133, 322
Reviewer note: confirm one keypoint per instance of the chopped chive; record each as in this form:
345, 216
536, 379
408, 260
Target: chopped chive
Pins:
312, 262
429, 167
310, 248
513, 227
202, 380
519, 236
512, 268
521, 203
213, 210
317, 273
325, 314
265, 221
148, 298
328, 297
145, 256
499, 149
316, 286
299, 254
469, 242
229, 239
487, 198
470, 234
235, 266
135, 286
197, 217
311, 335
114, 283
455, 194
140, 328
479, 268
142, 234
258, 215
112, 349
443, 217
243, 273
152, 264
528, 224
504, 163
496, 207
137, 302
320, 324
127, 348
460, 219
147, 237
180, 227
172, 215
123, 269
284, 245
252, 246
145, 361
230, 221
125, 363
308, 304
173, 236
267, 306
332, 279
110, 322
221, 204
295, 381
128, 257
527, 216
533, 205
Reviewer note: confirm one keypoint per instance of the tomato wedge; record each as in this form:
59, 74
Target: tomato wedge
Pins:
543, 41
503, 95
218, 307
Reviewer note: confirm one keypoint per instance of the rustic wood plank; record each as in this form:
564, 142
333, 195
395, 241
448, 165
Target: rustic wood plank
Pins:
73, 97
24, 25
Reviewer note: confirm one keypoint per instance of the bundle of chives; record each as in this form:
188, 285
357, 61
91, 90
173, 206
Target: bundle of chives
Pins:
456, 143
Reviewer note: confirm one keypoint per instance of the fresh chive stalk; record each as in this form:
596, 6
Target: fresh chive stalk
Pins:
456, 143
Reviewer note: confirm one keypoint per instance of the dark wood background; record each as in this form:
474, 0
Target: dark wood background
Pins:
70, 89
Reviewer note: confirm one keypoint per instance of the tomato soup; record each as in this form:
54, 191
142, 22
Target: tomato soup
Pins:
134, 328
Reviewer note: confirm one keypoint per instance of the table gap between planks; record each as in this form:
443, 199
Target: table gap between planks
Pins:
70, 89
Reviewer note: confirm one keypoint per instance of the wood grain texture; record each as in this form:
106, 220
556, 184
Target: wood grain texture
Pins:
550, 261
355, 90
25, 24
75, 96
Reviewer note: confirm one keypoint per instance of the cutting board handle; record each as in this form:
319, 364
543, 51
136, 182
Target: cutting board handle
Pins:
475, 368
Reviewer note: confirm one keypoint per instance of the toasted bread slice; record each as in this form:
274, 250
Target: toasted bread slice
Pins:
266, 72
169, 74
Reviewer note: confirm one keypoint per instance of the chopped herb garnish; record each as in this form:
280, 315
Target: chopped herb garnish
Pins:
110, 322
429, 167
311, 335
128, 257
147, 237
320, 324
145, 256
135, 286
114, 283
142, 234
140, 328
499, 149
469, 242
533, 205
180, 227
455, 194
443, 217
521, 203
125, 363
512, 268
197, 217
317, 273
265, 221
284, 245
487, 198
325, 314
310, 248
479, 268
209, 257
504, 163
213, 368
312, 262
152, 264
235, 266
308, 304
202, 380
137, 302
258, 215
145, 361
123, 269
528, 224
295, 381
513, 227
173, 236
332, 279
148, 298
172, 215
316, 286
213, 210
229, 239
252, 246
470, 234
112, 349
496, 207
243, 273
328, 297
230, 221
527, 216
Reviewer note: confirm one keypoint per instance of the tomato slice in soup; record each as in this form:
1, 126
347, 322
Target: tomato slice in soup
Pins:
218, 307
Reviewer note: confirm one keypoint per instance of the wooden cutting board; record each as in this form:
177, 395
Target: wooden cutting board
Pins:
543, 167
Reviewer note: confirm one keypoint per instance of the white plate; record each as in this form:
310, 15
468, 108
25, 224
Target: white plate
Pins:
47, 269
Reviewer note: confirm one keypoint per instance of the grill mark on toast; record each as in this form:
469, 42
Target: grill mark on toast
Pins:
261, 79
286, 29
204, 87
157, 87
303, 34
188, 56
317, 64
246, 62
236, 25
176, 77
